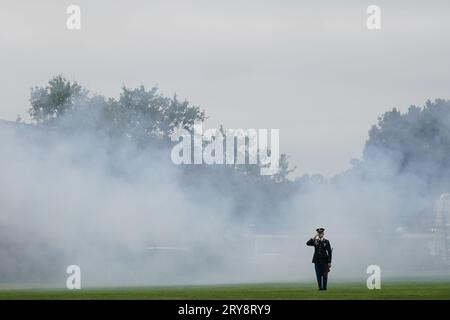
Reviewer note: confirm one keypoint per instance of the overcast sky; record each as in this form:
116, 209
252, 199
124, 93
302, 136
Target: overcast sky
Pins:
310, 68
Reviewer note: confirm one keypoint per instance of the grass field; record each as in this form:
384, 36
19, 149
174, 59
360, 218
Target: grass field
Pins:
342, 290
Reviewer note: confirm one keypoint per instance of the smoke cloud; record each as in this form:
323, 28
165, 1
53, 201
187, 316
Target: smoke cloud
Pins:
128, 216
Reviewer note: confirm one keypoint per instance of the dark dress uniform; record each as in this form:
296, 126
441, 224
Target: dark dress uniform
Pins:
321, 259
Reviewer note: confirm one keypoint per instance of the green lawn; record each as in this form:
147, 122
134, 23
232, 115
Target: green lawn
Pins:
341, 290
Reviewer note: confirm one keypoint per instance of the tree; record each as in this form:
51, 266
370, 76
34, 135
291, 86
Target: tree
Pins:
138, 113
416, 142
143, 113
54, 100
146, 117
284, 169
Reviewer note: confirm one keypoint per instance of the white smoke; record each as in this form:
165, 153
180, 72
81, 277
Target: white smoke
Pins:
127, 216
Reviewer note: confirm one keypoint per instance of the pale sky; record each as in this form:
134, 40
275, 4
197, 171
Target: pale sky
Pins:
309, 68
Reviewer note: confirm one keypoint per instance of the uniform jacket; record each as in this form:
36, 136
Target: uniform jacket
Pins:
322, 250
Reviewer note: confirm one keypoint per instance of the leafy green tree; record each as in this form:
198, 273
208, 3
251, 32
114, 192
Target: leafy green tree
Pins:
137, 114
54, 100
415, 143
142, 113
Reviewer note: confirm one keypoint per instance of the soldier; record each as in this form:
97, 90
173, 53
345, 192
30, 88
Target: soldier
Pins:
321, 258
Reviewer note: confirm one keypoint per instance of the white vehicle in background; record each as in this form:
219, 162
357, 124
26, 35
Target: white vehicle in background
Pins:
441, 228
